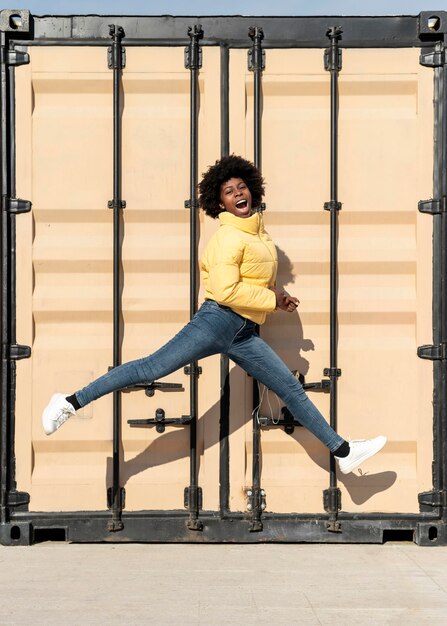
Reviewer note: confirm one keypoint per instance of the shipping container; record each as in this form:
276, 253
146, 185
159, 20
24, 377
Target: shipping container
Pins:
106, 126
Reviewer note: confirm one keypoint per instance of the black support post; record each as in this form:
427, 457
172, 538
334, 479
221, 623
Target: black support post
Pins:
224, 420
193, 62
10, 498
436, 500
116, 62
256, 496
332, 63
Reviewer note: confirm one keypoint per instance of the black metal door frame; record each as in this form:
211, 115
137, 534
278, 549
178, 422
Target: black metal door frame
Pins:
20, 31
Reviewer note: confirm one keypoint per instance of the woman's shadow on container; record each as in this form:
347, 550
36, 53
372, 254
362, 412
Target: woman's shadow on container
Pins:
285, 334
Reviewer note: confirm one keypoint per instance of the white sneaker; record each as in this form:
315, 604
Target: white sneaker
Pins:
56, 413
359, 451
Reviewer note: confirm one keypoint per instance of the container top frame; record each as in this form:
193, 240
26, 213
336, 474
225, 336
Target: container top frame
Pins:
402, 31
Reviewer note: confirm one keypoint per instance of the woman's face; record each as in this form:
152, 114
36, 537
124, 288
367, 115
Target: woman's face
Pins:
235, 197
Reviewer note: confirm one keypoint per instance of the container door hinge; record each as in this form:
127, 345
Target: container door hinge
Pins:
332, 504
16, 205
436, 352
15, 352
193, 498
17, 57
434, 58
433, 207
431, 499
17, 499
110, 497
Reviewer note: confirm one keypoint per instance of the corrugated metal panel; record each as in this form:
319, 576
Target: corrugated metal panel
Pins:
65, 263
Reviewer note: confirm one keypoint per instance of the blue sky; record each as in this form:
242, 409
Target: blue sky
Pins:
230, 7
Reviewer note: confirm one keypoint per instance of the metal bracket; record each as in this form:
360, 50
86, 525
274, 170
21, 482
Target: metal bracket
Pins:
332, 371
110, 498
250, 64
116, 54
324, 385
433, 207
288, 421
16, 206
332, 60
112, 64
191, 204
192, 498
192, 371
332, 504
433, 352
333, 55
160, 421
331, 205
17, 57
113, 204
15, 352
430, 499
193, 52
151, 388
435, 58
188, 59
17, 498
255, 496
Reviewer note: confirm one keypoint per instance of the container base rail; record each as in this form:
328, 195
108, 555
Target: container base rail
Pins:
172, 526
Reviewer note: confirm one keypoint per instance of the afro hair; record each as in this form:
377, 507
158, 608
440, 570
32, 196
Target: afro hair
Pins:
229, 167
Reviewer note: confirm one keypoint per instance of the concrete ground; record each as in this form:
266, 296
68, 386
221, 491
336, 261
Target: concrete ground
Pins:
63, 584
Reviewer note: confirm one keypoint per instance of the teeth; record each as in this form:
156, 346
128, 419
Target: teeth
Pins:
241, 202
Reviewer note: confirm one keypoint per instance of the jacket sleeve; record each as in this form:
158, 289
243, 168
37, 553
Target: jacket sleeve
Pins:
226, 286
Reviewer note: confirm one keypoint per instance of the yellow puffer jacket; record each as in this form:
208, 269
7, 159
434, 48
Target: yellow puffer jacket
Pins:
239, 265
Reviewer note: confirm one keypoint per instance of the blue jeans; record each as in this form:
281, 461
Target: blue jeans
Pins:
213, 330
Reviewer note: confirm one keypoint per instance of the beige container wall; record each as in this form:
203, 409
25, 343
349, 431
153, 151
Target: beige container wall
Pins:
64, 148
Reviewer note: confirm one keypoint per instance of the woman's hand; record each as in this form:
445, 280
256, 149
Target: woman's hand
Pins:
284, 301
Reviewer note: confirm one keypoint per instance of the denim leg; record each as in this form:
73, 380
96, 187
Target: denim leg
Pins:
209, 332
260, 361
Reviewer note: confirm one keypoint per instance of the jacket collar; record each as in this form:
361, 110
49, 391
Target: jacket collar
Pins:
252, 224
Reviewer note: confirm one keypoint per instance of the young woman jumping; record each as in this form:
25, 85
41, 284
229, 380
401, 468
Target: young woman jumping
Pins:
238, 270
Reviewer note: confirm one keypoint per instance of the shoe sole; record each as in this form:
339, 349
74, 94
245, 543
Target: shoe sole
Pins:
360, 460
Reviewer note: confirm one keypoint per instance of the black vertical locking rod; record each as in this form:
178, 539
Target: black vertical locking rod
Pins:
5, 266
193, 55
257, 498
332, 61
117, 204
224, 421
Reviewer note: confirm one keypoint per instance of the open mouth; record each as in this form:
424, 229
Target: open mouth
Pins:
242, 204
